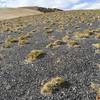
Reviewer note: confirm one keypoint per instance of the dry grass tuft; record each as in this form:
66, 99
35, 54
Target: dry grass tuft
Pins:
97, 45
8, 42
65, 38
97, 35
28, 35
49, 30
96, 88
83, 35
55, 44
98, 65
22, 40
48, 88
97, 51
72, 43
33, 55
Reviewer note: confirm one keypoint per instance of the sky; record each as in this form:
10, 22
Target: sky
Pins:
61, 4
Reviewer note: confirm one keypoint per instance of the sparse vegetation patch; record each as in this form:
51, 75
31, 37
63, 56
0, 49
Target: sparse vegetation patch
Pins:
72, 43
96, 45
96, 88
33, 55
97, 35
55, 44
66, 38
9, 41
48, 88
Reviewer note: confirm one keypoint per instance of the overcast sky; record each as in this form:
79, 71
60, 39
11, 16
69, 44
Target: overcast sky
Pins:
62, 4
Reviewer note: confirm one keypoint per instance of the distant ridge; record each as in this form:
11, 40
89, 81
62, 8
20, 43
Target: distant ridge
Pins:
42, 9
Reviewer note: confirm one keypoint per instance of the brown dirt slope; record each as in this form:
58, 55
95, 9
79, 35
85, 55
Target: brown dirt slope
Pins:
9, 13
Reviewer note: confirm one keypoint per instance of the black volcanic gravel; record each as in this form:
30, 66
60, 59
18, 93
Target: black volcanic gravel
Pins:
20, 81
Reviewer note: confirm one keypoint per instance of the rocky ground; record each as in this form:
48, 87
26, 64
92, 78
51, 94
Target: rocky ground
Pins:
78, 65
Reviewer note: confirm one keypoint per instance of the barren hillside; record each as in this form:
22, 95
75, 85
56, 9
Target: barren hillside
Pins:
8, 13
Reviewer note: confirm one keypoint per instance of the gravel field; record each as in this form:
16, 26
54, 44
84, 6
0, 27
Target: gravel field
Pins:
78, 66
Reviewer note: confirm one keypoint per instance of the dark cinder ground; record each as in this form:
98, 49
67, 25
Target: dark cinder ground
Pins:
20, 81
